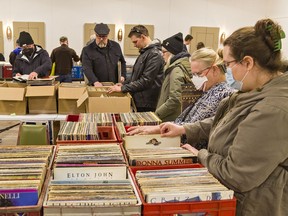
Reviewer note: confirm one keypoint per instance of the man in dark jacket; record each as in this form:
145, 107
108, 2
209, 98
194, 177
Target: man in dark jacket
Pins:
62, 57
147, 76
100, 58
32, 60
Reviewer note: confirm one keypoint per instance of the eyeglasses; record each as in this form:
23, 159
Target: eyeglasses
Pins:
229, 62
199, 73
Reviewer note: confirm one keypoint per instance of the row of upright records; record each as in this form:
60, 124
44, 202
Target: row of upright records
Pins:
130, 176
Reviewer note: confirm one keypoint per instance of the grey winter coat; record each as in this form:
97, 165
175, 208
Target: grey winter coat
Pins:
248, 148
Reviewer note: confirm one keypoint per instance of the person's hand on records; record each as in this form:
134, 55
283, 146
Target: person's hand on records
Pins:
169, 129
155, 129
33, 75
119, 84
98, 84
114, 88
190, 148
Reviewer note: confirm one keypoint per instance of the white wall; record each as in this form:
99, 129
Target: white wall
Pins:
278, 10
67, 17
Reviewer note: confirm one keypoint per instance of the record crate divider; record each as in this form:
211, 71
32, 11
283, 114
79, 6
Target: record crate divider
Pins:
36, 210
211, 208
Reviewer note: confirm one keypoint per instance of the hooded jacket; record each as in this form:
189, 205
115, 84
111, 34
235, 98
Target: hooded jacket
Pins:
177, 73
147, 77
39, 63
248, 147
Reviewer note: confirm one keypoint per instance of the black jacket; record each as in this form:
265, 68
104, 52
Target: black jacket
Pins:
39, 63
62, 56
101, 64
147, 77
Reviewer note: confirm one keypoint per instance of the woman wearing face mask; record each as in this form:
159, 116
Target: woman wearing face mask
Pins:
209, 76
248, 137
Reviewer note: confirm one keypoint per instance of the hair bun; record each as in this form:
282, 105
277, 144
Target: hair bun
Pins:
271, 32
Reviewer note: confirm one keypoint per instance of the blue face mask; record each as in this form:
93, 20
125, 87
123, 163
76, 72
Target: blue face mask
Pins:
229, 78
236, 84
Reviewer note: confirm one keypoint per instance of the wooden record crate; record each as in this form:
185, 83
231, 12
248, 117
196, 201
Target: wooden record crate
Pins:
211, 208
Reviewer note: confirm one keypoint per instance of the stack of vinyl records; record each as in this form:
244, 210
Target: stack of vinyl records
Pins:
89, 162
78, 131
139, 118
22, 174
90, 175
91, 193
180, 185
163, 156
101, 119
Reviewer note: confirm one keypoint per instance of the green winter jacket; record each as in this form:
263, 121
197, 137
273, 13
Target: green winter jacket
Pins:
169, 103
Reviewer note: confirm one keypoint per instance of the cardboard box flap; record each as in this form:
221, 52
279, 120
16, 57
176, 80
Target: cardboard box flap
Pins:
82, 98
12, 94
16, 85
36, 91
70, 93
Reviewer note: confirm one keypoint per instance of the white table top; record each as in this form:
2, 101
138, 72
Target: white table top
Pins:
36, 117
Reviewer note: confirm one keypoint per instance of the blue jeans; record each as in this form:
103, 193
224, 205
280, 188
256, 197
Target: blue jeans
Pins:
65, 78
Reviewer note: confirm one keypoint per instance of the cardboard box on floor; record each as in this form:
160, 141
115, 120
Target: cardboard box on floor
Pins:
98, 100
42, 99
12, 98
68, 94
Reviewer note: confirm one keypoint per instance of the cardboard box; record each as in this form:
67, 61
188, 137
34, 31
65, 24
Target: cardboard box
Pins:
102, 102
12, 98
42, 99
67, 99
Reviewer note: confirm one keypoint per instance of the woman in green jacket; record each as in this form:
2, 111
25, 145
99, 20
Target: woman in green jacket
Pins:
248, 139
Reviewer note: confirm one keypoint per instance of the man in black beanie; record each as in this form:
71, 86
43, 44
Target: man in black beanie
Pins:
32, 60
100, 58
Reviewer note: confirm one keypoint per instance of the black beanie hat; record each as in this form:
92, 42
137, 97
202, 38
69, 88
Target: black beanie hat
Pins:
174, 44
102, 29
25, 39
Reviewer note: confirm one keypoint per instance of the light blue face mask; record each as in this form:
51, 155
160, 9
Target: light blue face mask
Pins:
236, 84
229, 77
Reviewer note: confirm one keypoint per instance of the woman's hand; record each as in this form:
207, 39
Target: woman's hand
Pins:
190, 148
169, 129
143, 130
